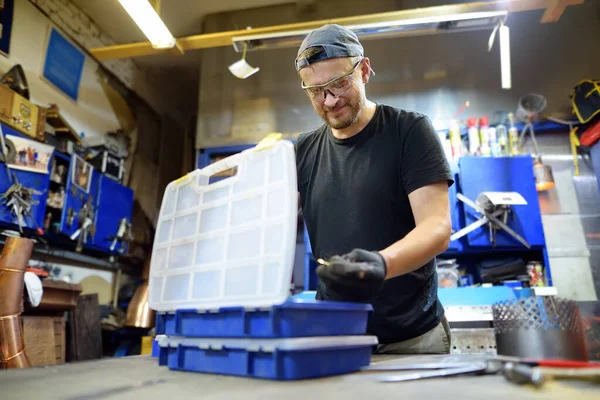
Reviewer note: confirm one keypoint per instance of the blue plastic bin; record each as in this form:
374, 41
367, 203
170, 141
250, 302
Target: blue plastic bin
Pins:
155, 348
280, 359
294, 318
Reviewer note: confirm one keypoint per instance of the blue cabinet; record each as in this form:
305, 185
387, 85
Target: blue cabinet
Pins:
503, 174
109, 201
78, 193
456, 211
113, 203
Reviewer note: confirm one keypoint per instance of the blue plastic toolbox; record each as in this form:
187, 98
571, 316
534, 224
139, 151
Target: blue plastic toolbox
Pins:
294, 318
281, 359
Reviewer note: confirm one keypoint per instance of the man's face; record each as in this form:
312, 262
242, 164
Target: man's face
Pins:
341, 111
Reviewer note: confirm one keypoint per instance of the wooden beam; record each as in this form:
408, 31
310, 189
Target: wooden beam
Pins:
156, 5
223, 39
177, 49
555, 9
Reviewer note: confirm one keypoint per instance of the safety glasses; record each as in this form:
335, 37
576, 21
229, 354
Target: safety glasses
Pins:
336, 87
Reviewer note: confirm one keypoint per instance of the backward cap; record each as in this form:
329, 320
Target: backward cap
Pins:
335, 41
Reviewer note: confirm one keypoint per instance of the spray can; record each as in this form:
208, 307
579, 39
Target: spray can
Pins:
473, 133
502, 134
513, 136
484, 136
455, 139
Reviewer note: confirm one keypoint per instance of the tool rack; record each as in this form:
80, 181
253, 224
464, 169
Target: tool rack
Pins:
107, 205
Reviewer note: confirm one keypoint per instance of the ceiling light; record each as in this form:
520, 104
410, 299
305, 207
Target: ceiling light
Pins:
504, 36
397, 28
505, 57
148, 20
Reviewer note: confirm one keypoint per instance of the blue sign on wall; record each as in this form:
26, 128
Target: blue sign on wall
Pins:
6, 20
64, 64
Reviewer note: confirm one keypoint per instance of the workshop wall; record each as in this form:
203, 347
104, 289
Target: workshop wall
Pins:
92, 114
81, 28
432, 74
571, 221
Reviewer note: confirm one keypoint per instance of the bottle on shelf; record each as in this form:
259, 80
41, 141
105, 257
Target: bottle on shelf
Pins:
502, 134
484, 136
455, 139
494, 144
473, 134
513, 136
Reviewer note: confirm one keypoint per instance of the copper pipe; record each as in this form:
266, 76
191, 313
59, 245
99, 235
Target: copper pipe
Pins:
13, 262
139, 313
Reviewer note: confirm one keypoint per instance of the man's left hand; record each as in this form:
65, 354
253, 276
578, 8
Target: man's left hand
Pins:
355, 276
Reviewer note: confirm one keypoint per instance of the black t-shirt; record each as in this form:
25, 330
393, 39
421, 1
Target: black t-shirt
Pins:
354, 194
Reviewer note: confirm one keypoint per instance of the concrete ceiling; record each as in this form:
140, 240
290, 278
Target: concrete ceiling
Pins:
182, 17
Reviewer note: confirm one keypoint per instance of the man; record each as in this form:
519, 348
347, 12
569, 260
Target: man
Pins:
373, 183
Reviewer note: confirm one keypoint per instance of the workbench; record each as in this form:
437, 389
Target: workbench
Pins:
140, 377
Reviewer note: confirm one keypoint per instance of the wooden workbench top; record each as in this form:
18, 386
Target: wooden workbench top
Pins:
140, 377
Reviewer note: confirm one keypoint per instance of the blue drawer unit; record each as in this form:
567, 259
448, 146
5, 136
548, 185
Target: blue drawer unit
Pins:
76, 197
113, 203
503, 174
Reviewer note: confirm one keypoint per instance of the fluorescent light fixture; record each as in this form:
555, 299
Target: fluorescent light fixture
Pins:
147, 19
505, 57
405, 27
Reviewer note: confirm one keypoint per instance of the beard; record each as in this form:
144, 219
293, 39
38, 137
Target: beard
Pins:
352, 112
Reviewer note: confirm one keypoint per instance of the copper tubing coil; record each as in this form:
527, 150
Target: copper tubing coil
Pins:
15, 256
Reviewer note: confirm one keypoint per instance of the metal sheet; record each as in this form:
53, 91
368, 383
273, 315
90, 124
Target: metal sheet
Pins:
473, 341
468, 313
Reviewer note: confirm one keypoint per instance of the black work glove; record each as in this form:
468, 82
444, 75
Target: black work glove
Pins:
356, 276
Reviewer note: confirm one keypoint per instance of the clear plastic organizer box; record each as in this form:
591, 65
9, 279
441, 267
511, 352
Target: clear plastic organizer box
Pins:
231, 242
281, 359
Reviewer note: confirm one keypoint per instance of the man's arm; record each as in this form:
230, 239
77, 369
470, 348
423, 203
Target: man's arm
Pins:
429, 238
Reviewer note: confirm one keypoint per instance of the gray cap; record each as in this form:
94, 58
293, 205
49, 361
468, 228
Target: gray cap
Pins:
333, 41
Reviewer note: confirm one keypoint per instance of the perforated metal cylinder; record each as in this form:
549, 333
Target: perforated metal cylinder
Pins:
539, 327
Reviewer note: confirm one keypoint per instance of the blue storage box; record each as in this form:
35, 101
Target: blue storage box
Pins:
155, 348
281, 359
294, 318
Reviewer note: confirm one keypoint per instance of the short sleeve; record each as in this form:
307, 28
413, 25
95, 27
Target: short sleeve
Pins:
423, 159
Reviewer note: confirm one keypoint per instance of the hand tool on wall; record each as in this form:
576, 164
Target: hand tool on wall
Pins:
85, 220
123, 235
493, 213
19, 200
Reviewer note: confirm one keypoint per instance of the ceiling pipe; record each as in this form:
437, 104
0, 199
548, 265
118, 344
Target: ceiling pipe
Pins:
224, 39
